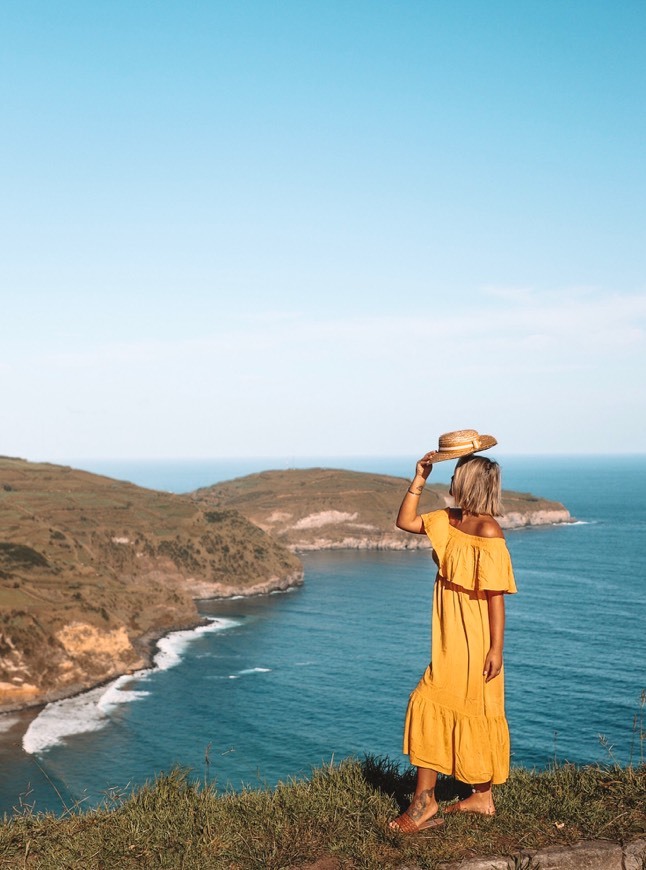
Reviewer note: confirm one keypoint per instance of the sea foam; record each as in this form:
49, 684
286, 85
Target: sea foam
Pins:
93, 710
576, 523
62, 718
173, 645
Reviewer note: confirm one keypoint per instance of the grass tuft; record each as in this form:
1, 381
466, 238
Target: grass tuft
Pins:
340, 812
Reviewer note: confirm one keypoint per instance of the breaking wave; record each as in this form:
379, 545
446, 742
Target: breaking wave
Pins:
93, 710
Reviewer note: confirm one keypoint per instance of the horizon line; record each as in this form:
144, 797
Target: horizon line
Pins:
317, 456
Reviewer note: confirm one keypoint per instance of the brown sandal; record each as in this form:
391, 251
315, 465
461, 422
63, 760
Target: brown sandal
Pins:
406, 825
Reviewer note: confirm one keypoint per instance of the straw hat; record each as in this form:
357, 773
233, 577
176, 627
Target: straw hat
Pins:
461, 443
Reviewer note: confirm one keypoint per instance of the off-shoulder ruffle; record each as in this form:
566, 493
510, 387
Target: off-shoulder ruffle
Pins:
470, 748
469, 561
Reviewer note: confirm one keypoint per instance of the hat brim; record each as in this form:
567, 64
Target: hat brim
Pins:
486, 441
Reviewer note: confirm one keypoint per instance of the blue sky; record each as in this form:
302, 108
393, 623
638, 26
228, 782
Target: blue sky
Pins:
300, 228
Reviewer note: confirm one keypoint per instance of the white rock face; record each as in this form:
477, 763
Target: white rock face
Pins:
348, 535
534, 518
324, 518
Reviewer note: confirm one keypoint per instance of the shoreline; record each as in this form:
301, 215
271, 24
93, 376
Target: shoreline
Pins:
108, 694
146, 644
395, 542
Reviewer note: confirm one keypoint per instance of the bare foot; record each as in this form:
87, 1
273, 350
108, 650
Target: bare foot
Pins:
480, 802
419, 814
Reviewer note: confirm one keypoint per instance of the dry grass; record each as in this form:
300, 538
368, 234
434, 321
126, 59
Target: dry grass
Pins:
80, 548
340, 811
365, 505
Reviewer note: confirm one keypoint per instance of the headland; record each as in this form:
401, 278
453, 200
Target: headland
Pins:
94, 570
327, 509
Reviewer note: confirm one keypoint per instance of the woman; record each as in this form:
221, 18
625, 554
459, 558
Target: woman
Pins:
455, 723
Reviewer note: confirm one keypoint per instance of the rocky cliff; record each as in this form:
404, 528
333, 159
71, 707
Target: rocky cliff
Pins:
91, 569
320, 508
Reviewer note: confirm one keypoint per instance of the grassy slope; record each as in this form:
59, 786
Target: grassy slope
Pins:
341, 810
77, 548
278, 500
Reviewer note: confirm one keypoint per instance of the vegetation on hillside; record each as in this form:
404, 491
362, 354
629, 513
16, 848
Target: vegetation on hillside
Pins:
325, 507
341, 811
90, 566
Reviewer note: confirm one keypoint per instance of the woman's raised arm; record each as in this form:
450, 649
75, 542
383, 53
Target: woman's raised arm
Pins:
408, 517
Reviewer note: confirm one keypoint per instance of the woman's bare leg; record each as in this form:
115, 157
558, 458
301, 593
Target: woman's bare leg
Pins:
423, 805
480, 801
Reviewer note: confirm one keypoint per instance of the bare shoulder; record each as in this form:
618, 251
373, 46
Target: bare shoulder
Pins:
488, 527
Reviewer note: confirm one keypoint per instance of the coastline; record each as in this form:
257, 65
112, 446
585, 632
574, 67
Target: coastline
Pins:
511, 522
94, 634
165, 652
147, 645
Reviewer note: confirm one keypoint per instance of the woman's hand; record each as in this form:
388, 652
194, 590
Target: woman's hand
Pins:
425, 465
492, 665
496, 609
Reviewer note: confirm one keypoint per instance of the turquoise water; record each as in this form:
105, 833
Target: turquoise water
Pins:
283, 682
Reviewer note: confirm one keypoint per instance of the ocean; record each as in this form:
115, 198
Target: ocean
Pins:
277, 684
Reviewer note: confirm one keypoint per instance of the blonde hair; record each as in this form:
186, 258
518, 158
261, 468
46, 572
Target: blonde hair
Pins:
476, 485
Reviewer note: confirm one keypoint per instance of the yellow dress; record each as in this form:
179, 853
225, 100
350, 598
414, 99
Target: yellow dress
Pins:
455, 722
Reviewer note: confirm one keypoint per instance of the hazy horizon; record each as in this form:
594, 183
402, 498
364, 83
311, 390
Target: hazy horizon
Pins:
283, 461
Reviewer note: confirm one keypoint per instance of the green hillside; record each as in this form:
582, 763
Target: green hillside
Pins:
92, 568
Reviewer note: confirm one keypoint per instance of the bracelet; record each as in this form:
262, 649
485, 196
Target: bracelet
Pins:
414, 493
